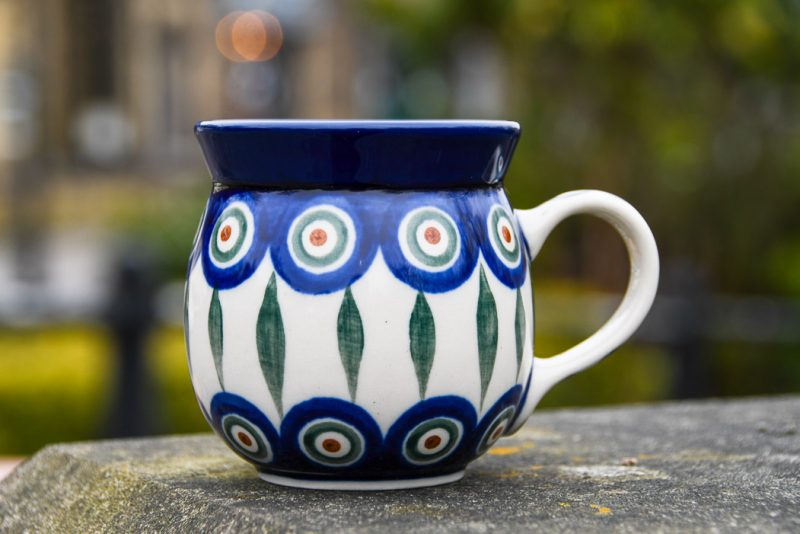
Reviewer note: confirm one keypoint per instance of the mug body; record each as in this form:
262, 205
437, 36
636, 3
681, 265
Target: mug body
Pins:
359, 338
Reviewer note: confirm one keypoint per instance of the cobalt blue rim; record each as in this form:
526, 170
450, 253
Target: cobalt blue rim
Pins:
356, 124
393, 154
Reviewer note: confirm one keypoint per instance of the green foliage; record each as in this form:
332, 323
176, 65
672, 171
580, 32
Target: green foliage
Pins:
51, 386
55, 385
163, 219
689, 109
634, 373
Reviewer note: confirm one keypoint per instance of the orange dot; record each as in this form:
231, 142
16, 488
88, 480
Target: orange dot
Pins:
331, 445
225, 233
498, 432
432, 235
432, 442
244, 438
318, 237
506, 234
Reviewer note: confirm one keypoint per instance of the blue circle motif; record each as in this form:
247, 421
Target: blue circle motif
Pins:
235, 205
344, 264
329, 434
245, 429
498, 418
481, 205
444, 208
428, 425
364, 221
523, 398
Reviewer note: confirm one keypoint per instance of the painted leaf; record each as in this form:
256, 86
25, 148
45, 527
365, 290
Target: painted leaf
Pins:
519, 329
215, 334
271, 343
487, 333
350, 332
422, 341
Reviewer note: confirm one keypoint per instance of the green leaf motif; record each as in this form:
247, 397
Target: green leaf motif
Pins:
350, 332
215, 333
271, 343
519, 329
487, 333
422, 341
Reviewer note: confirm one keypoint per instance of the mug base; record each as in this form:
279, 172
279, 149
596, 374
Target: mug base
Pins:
362, 485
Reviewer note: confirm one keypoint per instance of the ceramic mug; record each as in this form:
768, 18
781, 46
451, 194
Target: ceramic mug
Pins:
359, 310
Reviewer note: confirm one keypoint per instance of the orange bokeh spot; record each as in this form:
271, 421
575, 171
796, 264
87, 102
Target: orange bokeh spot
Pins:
249, 36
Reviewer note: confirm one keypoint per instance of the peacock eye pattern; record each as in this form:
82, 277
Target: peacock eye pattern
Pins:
231, 241
328, 435
324, 242
433, 431
503, 237
497, 420
321, 242
426, 245
494, 228
244, 428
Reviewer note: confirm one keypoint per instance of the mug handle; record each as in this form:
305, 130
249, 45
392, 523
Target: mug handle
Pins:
536, 224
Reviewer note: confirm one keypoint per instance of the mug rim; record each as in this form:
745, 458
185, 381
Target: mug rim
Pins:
432, 125
357, 154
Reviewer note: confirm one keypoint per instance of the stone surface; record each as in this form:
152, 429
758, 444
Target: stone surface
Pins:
727, 466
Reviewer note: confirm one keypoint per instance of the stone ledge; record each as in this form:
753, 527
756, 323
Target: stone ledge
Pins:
728, 465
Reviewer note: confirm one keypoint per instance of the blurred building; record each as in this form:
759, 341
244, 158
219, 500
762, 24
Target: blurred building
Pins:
109, 83
98, 96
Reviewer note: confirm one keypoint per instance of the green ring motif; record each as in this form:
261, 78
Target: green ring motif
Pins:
226, 256
296, 239
413, 455
311, 432
264, 452
486, 443
513, 255
412, 226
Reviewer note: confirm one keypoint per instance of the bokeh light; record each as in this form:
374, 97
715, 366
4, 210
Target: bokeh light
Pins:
248, 36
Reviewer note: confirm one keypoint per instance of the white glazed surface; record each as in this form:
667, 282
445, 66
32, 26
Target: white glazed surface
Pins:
536, 224
387, 383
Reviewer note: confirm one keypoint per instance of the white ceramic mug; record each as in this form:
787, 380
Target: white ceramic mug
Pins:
359, 303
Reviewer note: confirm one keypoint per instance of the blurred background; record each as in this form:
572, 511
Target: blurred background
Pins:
688, 109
